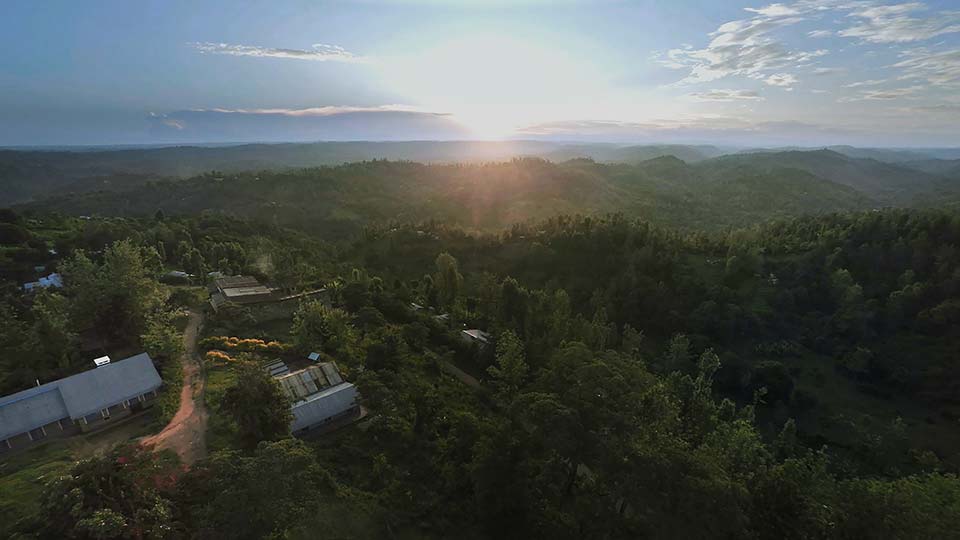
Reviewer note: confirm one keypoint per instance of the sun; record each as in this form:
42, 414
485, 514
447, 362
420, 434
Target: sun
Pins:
488, 123
491, 84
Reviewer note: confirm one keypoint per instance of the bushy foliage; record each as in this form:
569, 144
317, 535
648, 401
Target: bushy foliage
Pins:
258, 406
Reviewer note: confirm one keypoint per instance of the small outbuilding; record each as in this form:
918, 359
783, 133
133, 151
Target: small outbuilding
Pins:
476, 336
53, 280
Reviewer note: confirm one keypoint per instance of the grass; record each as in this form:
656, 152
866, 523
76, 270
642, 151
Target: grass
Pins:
168, 401
221, 430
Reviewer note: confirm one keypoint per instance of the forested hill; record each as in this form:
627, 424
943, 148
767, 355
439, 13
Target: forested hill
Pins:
888, 183
483, 196
797, 379
26, 175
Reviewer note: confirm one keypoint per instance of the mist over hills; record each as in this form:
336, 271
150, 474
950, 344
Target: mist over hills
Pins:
34, 173
478, 185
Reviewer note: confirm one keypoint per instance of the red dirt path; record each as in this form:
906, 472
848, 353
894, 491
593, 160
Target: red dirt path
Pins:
186, 432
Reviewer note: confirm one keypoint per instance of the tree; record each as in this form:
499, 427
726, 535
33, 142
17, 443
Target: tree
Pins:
12, 234
125, 493
258, 405
117, 295
53, 328
316, 326
447, 280
161, 338
678, 356
511, 369
775, 377
258, 496
194, 263
9, 215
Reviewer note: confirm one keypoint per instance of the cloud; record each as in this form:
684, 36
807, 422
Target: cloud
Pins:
872, 82
329, 110
936, 68
757, 47
165, 120
744, 47
726, 95
938, 108
883, 95
330, 123
893, 24
699, 129
318, 52
774, 10
783, 80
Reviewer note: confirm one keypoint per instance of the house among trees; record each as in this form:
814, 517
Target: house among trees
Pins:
79, 403
53, 280
476, 336
240, 290
319, 396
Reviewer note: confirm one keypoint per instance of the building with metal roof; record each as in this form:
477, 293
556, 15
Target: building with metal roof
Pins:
318, 395
77, 403
323, 407
476, 336
240, 290
53, 280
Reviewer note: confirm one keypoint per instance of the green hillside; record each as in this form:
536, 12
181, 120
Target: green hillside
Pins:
482, 196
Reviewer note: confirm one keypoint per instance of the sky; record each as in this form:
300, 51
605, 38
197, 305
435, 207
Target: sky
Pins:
806, 72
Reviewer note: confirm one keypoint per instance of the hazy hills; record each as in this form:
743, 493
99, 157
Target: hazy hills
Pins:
887, 183
484, 196
472, 184
30, 174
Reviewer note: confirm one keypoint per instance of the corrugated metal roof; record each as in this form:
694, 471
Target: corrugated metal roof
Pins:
230, 282
324, 405
90, 391
78, 395
30, 409
301, 384
253, 290
331, 372
478, 335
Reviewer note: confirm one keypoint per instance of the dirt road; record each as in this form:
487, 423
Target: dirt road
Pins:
186, 432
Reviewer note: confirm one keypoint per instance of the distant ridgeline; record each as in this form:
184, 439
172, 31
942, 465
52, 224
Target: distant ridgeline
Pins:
698, 190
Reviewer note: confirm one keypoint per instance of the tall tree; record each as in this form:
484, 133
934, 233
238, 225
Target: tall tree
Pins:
53, 328
511, 368
447, 280
258, 405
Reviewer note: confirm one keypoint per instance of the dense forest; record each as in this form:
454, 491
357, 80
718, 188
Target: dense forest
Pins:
816, 176
36, 173
728, 191
796, 378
